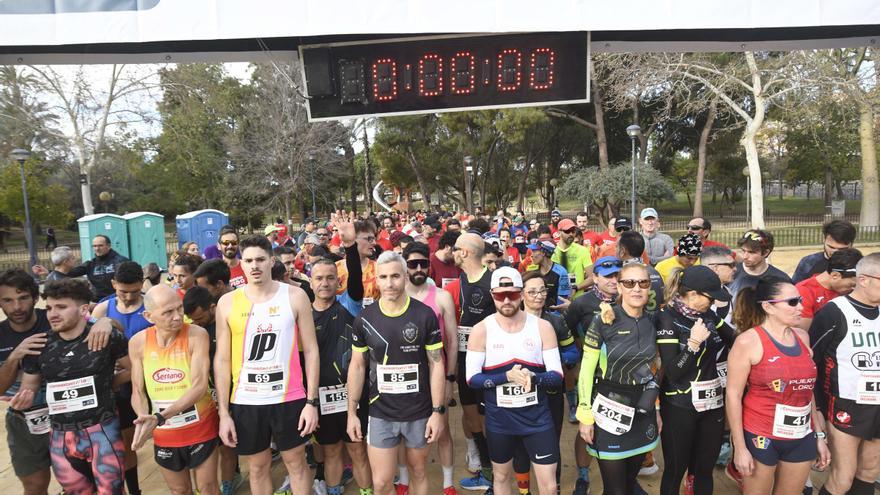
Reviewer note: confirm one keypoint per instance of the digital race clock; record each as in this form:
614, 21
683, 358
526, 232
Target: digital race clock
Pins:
444, 73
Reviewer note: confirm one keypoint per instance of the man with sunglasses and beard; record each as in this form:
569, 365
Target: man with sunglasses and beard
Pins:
417, 263
229, 249
574, 257
514, 358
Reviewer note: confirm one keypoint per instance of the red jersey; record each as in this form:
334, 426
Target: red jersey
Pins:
591, 239
441, 270
815, 296
236, 277
513, 256
434, 243
454, 290
780, 390
384, 240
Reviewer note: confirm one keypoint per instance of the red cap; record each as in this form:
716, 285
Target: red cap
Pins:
565, 224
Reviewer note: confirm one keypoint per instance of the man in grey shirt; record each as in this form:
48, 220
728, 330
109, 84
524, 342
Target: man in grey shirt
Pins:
658, 245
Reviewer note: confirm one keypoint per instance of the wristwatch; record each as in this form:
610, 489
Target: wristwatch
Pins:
439, 409
450, 378
821, 435
313, 402
160, 420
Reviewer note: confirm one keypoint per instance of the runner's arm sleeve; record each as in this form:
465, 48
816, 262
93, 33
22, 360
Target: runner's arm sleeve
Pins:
589, 363
552, 376
476, 377
675, 361
355, 276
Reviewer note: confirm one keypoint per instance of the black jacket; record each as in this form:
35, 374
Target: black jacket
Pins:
100, 271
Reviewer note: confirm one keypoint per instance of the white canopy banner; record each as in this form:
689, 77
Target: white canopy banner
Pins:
73, 22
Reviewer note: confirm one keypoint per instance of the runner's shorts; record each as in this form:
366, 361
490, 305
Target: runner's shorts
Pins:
860, 420
256, 426
29, 453
332, 428
642, 436
769, 451
385, 434
189, 457
542, 447
89, 460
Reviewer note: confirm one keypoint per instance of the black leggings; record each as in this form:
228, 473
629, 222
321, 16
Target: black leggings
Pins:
690, 439
619, 476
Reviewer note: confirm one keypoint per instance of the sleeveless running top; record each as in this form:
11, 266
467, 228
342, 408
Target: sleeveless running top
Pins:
780, 388
431, 302
265, 357
856, 356
475, 299
510, 409
132, 322
167, 377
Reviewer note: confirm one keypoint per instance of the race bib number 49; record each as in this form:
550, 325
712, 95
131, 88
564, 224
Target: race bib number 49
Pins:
71, 395
611, 416
397, 378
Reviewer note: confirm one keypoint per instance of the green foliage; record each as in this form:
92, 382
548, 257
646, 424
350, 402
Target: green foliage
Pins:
609, 188
48, 202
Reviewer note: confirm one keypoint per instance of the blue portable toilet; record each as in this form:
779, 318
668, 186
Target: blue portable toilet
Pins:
113, 226
146, 238
201, 226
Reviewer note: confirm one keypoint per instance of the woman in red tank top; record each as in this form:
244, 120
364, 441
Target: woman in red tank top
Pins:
776, 433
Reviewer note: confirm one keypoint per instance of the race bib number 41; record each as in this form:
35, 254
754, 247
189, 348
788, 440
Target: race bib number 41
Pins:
71, 395
611, 416
791, 422
397, 378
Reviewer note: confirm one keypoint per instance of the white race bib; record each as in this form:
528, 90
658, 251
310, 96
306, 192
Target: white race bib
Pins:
572, 279
71, 395
868, 391
511, 395
611, 416
38, 421
183, 418
721, 368
397, 378
262, 378
707, 395
367, 301
463, 333
334, 399
791, 422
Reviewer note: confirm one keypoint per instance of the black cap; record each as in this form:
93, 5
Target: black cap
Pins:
702, 279
623, 223
433, 222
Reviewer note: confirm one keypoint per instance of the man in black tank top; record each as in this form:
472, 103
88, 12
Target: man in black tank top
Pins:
475, 298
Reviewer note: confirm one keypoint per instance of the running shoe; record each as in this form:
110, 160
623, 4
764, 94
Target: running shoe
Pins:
402, 489
284, 489
649, 467
581, 487
724, 454
734, 475
689, 485
473, 459
476, 483
450, 490
319, 487
228, 487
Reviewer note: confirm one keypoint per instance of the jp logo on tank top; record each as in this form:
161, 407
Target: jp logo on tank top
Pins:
263, 344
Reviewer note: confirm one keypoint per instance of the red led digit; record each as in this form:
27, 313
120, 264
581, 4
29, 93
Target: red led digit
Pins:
542, 68
509, 69
487, 72
385, 79
430, 75
407, 77
462, 67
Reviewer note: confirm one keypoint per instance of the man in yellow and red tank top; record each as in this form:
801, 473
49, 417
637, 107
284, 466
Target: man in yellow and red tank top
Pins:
261, 330
170, 369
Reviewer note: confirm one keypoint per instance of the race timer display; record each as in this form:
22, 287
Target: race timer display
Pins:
443, 73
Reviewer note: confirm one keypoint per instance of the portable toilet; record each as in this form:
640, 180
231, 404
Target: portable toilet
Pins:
146, 238
201, 226
113, 226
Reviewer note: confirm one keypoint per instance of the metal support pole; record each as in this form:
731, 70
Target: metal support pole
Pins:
28, 233
633, 196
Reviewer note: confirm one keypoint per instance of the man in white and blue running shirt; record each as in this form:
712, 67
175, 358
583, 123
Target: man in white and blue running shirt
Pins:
514, 358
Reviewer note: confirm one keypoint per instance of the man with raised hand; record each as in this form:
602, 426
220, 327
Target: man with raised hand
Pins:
170, 363
261, 331
398, 340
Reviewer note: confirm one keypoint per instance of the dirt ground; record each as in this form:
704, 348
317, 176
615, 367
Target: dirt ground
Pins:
152, 483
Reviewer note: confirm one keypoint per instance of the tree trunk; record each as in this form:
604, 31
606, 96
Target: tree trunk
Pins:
368, 173
349, 158
523, 184
870, 212
757, 194
423, 186
701, 158
601, 138
829, 187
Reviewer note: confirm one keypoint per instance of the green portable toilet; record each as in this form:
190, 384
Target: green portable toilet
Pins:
146, 238
113, 226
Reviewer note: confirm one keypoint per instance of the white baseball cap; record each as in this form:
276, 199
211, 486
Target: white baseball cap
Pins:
506, 272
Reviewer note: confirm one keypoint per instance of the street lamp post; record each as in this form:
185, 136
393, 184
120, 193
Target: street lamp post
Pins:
468, 169
21, 156
439, 193
312, 185
633, 131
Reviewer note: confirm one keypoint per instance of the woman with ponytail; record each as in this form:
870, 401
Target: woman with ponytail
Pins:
773, 425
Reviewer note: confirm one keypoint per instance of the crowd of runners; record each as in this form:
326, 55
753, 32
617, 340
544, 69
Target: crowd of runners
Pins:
340, 349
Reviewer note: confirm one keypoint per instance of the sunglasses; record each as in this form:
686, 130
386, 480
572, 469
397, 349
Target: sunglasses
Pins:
571, 231
609, 264
537, 293
413, 264
732, 264
322, 234
695, 227
622, 229
631, 283
792, 301
229, 243
509, 294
